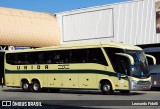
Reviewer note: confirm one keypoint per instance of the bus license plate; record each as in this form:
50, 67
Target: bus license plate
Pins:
144, 87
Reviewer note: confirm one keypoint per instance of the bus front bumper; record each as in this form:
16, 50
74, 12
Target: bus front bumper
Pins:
140, 85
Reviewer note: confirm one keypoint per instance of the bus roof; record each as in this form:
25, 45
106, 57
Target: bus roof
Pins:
82, 45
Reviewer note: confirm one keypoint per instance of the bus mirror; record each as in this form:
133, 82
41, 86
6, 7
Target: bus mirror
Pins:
128, 56
153, 58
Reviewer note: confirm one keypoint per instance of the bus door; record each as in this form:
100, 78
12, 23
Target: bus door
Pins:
123, 70
2, 68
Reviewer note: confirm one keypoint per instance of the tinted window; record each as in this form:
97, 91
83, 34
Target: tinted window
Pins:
122, 65
119, 63
93, 55
10, 58
21, 58
79, 56
33, 58
61, 57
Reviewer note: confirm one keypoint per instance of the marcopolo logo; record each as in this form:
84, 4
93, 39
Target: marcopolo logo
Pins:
6, 103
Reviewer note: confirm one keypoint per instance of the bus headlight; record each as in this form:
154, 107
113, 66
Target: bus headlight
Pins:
133, 69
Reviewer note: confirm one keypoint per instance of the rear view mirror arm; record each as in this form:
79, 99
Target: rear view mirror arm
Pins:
128, 56
153, 58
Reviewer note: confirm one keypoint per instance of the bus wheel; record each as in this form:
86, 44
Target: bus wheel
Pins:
106, 88
36, 86
124, 91
25, 86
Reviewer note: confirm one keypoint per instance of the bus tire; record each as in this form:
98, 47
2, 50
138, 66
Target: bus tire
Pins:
36, 87
124, 91
106, 88
25, 86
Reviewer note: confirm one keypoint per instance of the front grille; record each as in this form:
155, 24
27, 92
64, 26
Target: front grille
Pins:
143, 82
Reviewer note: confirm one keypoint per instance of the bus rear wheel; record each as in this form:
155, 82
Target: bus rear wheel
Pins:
106, 88
36, 86
25, 86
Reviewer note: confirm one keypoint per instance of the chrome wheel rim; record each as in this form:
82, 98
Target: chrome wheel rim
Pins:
36, 86
25, 86
106, 88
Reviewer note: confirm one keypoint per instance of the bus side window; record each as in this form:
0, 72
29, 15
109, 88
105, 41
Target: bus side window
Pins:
111, 52
57, 58
32, 57
122, 65
21, 58
50, 59
79, 56
65, 56
96, 56
41, 58
11, 59
62, 57
46, 57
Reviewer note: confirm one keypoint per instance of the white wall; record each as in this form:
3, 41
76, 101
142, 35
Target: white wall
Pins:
88, 25
129, 22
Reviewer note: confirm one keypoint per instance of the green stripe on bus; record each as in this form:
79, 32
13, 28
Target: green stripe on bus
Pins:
59, 71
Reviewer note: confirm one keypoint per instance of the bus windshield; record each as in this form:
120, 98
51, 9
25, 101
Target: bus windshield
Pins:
140, 68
